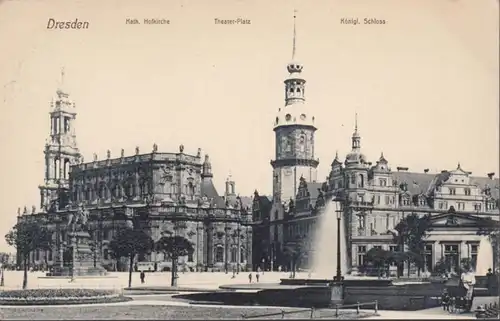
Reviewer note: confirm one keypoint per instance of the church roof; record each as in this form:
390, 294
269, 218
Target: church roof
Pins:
208, 189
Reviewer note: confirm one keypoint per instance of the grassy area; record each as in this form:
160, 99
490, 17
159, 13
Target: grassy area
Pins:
59, 296
158, 312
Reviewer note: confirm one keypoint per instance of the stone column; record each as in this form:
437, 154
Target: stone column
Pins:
437, 249
199, 247
464, 251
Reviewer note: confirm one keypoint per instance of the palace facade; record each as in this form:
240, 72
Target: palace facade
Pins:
170, 193
374, 197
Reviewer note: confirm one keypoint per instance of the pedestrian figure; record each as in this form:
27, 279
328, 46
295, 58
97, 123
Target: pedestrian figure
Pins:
257, 277
142, 276
250, 278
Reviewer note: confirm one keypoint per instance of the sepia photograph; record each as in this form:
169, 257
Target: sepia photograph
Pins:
233, 159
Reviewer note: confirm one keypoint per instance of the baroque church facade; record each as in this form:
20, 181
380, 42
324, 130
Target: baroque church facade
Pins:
170, 193
375, 198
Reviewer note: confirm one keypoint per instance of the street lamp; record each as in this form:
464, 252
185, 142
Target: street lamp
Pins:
337, 286
338, 210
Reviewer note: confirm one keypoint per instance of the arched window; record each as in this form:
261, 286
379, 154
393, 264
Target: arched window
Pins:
219, 254
129, 189
234, 255
87, 193
361, 181
142, 188
102, 190
190, 189
75, 193
116, 190
242, 255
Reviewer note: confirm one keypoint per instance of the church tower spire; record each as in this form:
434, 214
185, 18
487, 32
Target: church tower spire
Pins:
294, 128
294, 84
60, 149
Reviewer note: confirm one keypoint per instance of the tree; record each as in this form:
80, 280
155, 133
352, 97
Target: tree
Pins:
378, 258
442, 266
128, 243
295, 251
28, 236
411, 232
174, 247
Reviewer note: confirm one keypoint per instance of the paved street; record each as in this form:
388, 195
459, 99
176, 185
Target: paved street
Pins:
119, 280
156, 304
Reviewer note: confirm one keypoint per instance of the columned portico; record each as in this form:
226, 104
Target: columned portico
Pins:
454, 237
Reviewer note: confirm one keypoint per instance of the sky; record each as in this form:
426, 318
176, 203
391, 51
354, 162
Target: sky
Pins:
424, 84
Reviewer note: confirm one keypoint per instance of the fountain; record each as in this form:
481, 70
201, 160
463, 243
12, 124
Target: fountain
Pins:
325, 244
484, 259
323, 289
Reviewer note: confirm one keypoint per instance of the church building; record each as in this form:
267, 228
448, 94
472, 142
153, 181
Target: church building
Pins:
171, 193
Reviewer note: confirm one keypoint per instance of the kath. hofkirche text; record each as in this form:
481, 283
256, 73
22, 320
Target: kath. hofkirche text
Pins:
152, 21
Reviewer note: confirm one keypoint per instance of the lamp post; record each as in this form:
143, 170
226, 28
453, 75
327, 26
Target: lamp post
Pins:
337, 287
338, 210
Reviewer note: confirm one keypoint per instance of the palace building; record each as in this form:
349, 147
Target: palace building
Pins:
171, 193
375, 198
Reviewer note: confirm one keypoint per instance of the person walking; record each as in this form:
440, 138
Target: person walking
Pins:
250, 278
257, 275
142, 276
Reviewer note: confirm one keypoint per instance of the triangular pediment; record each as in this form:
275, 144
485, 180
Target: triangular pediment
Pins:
452, 219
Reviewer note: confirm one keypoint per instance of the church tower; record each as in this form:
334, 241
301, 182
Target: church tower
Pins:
60, 151
294, 128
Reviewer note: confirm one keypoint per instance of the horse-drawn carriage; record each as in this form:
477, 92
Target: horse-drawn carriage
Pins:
456, 296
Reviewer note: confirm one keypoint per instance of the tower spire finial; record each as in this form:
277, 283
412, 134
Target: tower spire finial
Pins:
356, 121
294, 33
62, 76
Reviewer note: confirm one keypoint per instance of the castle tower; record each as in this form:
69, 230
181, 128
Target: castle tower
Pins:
61, 150
356, 166
294, 128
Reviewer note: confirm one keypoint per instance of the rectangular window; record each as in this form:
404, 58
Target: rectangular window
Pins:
378, 199
393, 248
467, 191
453, 191
361, 255
361, 221
387, 199
383, 182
